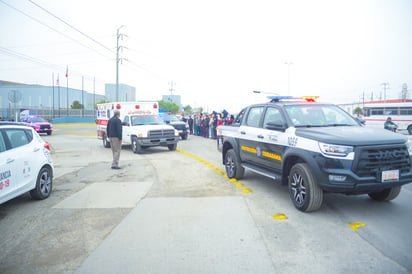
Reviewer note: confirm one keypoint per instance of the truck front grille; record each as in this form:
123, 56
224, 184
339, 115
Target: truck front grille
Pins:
372, 160
161, 133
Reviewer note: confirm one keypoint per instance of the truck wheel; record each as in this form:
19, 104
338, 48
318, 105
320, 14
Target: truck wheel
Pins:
305, 193
232, 165
386, 194
43, 184
49, 132
136, 148
410, 129
184, 137
172, 147
106, 143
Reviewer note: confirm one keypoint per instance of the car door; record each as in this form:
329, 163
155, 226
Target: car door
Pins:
8, 176
14, 168
272, 145
249, 139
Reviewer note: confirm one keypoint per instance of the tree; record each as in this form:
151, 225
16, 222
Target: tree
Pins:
198, 110
77, 105
187, 110
358, 111
171, 107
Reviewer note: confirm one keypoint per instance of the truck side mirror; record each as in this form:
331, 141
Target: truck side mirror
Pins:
277, 125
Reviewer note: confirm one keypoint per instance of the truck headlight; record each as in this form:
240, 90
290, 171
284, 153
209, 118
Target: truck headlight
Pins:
335, 150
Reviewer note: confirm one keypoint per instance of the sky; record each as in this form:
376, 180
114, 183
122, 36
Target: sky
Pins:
213, 53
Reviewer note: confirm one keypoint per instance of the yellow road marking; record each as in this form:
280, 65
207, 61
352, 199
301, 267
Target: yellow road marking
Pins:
280, 216
356, 225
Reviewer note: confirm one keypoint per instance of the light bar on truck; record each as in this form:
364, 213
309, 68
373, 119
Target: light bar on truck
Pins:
278, 98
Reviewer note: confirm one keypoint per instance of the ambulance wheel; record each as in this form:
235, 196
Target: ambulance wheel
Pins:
232, 165
172, 147
43, 184
136, 147
106, 143
305, 193
386, 194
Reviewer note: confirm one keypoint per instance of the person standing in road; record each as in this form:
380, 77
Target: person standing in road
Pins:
114, 132
190, 123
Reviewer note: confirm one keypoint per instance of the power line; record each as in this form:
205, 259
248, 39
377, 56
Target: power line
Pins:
29, 58
47, 26
69, 25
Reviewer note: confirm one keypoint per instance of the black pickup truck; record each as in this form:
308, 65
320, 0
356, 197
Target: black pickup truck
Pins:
315, 148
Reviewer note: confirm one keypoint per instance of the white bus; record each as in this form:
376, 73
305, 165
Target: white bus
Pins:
376, 112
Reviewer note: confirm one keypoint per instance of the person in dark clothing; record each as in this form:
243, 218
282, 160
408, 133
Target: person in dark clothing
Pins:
114, 132
389, 125
190, 122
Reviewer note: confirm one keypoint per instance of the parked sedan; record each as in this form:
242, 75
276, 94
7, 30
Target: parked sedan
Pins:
26, 164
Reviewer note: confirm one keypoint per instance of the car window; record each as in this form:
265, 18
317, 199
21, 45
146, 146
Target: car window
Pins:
146, 120
126, 120
17, 137
2, 143
253, 117
273, 116
319, 115
239, 117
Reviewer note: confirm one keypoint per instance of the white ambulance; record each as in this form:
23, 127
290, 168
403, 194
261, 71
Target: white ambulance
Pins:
142, 127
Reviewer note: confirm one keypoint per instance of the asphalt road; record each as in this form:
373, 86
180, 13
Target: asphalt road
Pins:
175, 212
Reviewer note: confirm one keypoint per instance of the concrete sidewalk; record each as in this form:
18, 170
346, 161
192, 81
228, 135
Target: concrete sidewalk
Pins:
183, 235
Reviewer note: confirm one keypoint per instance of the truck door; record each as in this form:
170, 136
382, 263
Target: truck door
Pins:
272, 140
249, 133
126, 124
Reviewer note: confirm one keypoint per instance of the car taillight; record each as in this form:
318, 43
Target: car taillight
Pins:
47, 146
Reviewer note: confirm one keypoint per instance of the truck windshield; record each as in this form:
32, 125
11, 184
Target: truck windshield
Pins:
146, 120
319, 115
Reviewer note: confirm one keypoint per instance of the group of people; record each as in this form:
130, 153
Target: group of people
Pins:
206, 125
199, 124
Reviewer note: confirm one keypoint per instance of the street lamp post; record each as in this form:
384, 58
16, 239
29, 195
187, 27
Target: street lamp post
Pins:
288, 63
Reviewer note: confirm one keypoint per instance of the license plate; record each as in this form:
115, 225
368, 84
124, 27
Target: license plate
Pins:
390, 176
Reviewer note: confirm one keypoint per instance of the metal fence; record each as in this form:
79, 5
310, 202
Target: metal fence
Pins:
48, 114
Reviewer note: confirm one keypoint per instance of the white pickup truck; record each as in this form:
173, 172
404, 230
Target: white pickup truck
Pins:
142, 127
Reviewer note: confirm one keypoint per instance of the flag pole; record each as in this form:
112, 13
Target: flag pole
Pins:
67, 89
53, 96
58, 93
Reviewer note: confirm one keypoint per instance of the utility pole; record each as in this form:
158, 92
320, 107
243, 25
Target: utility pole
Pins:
171, 91
118, 60
385, 86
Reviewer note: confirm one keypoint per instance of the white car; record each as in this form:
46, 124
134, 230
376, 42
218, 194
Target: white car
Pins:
26, 164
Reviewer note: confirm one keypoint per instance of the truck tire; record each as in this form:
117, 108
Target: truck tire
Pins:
136, 147
44, 184
184, 136
106, 143
386, 194
172, 147
305, 193
232, 165
410, 129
